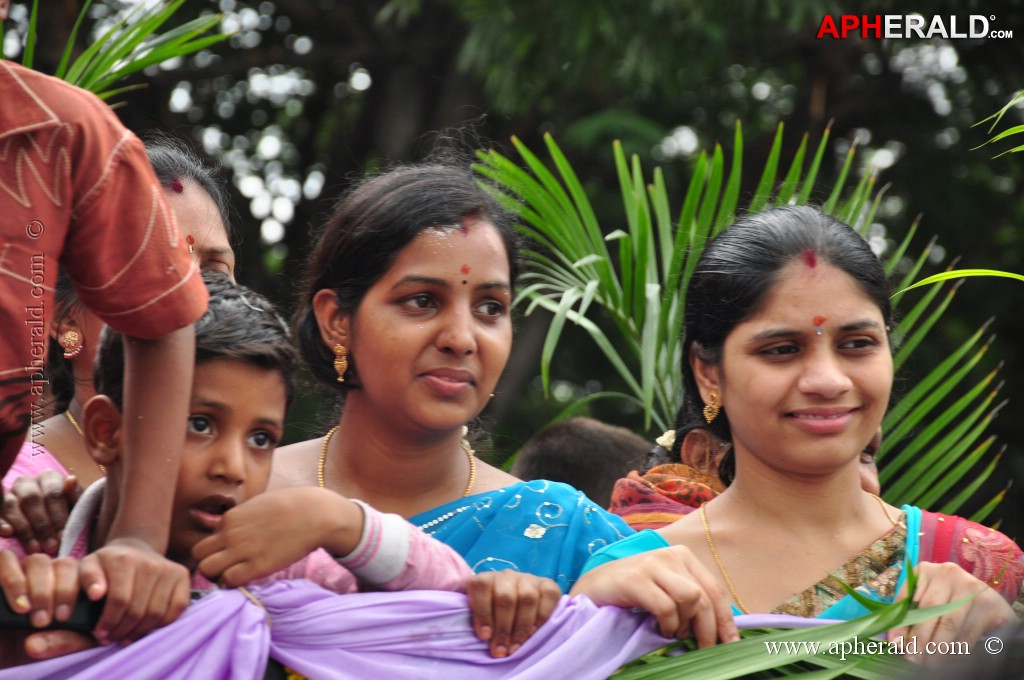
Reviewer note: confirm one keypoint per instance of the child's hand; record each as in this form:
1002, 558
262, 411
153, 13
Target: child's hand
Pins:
509, 606
21, 647
46, 589
41, 586
144, 589
35, 510
276, 529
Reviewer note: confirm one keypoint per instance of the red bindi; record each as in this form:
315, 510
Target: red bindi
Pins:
177, 185
810, 259
465, 269
819, 320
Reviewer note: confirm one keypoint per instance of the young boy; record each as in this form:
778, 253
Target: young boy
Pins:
242, 384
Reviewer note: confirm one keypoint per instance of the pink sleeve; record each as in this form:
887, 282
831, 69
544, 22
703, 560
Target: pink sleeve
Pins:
430, 565
391, 555
395, 555
322, 569
32, 460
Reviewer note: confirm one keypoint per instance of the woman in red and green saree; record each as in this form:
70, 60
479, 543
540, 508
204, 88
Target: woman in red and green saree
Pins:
787, 357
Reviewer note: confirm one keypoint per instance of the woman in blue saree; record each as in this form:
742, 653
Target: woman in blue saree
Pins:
405, 314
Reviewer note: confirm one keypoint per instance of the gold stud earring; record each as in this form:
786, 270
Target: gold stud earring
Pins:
340, 361
71, 342
712, 408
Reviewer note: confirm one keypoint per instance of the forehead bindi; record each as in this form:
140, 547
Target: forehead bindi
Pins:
825, 295
444, 253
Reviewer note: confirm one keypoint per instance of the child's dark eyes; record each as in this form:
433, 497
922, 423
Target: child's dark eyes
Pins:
199, 425
263, 440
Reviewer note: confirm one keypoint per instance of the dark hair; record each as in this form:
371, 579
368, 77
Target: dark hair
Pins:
173, 160
737, 270
370, 225
239, 324
586, 453
659, 455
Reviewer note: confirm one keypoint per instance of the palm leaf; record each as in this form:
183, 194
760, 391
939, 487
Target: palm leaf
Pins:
961, 273
766, 185
812, 172
128, 46
917, 332
927, 395
930, 460
727, 206
749, 657
65, 58
642, 289
833, 198
789, 184
988, 508
998, 116
918, 264
30, 41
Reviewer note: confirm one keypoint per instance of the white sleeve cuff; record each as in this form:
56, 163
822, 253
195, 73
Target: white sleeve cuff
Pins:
383, 549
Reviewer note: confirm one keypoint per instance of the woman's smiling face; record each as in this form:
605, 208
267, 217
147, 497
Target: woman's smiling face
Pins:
798, 399
430, 338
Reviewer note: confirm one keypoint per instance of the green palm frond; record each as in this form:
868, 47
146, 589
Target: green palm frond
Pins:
131, 44
637, 273
822, 652
998, 116
960, 274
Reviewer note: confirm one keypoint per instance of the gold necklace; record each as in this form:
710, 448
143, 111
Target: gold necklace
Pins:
718, 561
78, 428
321, 482
885, 509
721, 567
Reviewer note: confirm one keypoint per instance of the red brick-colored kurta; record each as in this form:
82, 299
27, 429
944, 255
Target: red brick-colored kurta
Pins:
77, 192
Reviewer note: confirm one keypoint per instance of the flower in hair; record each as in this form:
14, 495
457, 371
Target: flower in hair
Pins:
667, 440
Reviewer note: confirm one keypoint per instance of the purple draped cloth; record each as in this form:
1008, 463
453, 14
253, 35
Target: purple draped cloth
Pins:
413, 634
